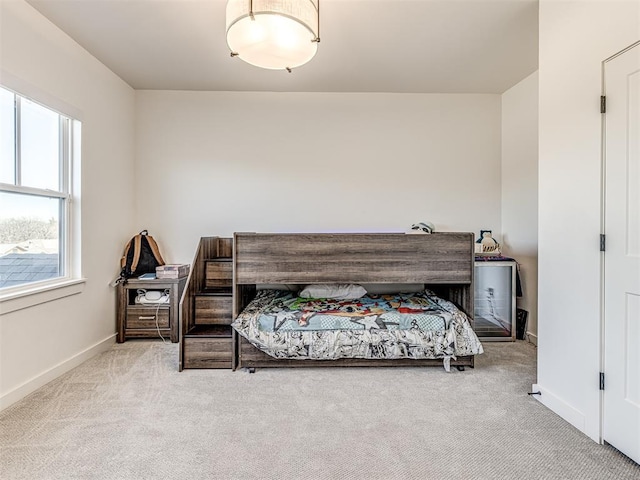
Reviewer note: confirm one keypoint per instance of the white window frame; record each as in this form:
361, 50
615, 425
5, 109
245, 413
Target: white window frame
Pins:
70, 281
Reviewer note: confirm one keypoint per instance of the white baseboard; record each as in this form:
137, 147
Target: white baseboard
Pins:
532, 338
560, 407
54, 372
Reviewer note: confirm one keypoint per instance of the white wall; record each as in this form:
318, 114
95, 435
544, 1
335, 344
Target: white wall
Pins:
203, 163
40, 342
211, 163
520, 190
575, 37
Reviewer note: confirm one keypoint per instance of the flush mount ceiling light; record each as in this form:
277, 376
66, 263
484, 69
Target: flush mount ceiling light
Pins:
273, 34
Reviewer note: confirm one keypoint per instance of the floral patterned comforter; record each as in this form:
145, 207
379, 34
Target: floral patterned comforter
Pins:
414, 325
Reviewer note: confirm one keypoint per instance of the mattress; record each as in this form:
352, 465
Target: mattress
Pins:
404, 325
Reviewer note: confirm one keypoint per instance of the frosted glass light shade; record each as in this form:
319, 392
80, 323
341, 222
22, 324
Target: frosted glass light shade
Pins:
274, 34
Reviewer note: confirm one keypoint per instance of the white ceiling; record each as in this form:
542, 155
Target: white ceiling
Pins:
428, 46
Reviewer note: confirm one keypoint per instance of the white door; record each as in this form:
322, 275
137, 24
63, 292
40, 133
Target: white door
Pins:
621, 407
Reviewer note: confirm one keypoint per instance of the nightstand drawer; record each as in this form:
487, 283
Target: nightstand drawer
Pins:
213, 309
208, 352
145, 317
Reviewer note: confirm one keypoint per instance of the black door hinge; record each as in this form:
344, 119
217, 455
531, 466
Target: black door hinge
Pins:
601, 380
603, 104
603, 242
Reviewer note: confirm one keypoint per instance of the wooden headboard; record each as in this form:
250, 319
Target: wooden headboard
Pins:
443, 261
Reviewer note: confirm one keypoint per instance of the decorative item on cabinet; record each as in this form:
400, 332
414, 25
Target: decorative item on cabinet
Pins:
487, 245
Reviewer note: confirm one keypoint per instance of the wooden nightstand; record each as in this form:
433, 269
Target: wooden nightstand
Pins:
140, 320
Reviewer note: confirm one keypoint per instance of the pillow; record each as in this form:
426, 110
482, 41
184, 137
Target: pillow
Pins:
336, 291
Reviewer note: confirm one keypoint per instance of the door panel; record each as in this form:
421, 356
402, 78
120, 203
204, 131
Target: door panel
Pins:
632, 354
621, 400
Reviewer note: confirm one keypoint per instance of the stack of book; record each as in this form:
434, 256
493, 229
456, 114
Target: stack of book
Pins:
172, 271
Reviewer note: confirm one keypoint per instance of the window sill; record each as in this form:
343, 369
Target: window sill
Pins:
10, 302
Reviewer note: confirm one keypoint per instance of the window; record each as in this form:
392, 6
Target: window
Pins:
36, 145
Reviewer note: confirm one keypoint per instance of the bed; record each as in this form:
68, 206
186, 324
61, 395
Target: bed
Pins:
433, 325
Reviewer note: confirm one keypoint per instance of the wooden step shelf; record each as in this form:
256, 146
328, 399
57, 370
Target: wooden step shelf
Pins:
213, 309
209, 346
206, 336
218, 273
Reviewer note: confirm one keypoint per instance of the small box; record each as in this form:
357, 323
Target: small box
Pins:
172, 271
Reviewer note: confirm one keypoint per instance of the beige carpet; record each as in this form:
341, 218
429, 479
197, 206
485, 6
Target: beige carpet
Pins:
129, 414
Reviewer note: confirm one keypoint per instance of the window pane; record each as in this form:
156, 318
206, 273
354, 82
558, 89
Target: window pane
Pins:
7, 137
29, 239
40, 146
